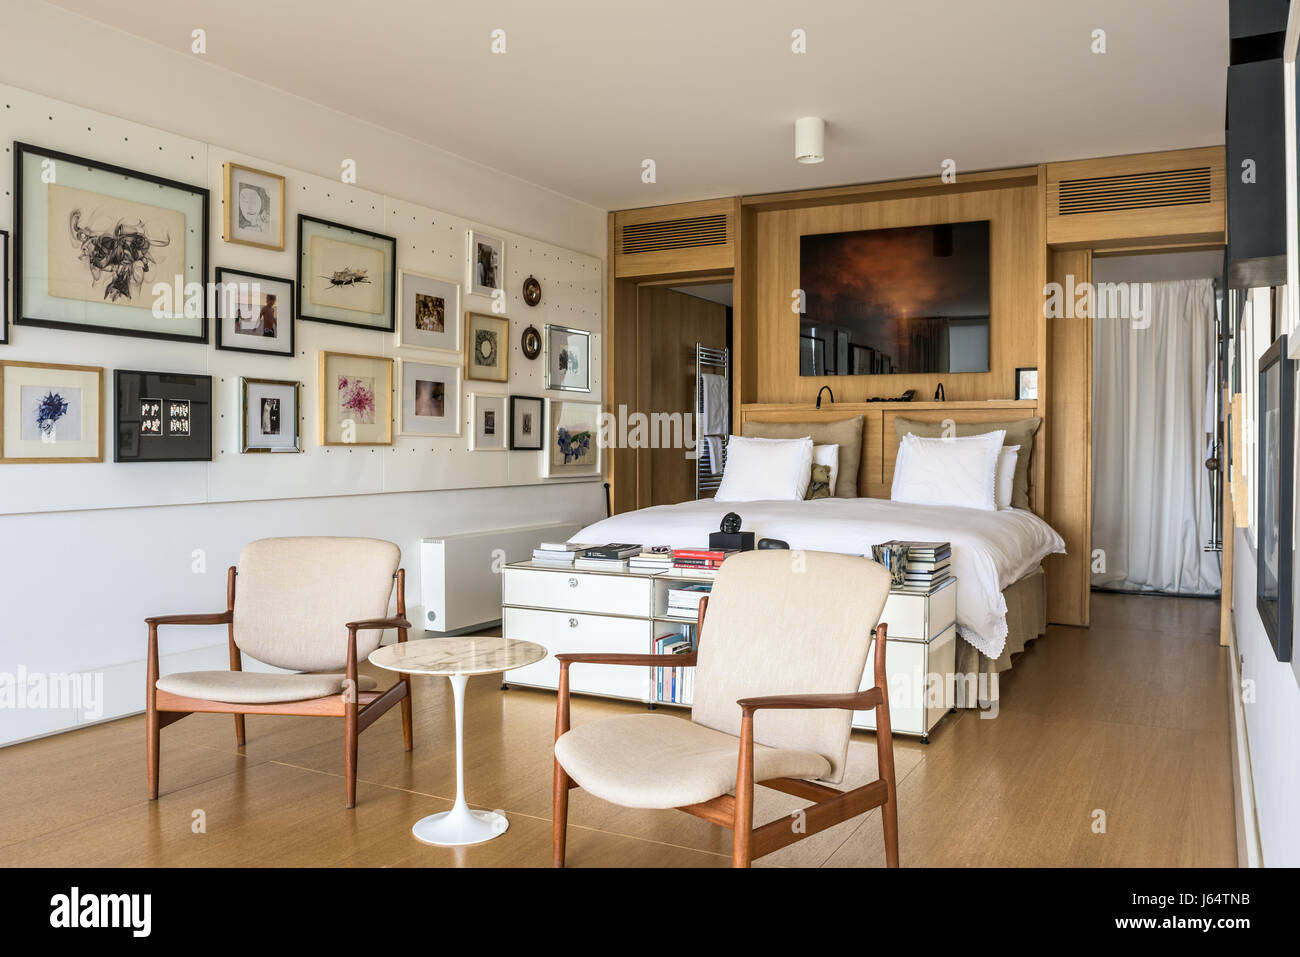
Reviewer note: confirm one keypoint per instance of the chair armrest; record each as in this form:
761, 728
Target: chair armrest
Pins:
856, 701
372, 623
216, 618
627, 659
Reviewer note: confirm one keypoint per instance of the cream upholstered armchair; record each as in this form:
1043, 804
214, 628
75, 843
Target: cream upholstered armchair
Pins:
777, 676
311, 605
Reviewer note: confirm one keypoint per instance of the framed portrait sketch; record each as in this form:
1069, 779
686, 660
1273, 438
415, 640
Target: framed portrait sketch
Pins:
93, 241
254, 207
50, 413
270, 414
526, 414
4, 286
488, 423
429, 314
346, 275
568, 359
486, 264
162, 416
572, 438
356, 399
430, 398
254, 313
487, 344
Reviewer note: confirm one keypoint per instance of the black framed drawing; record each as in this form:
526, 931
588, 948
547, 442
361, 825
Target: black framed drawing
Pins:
1273, 559
4, 286
162, 417
1026, 385
526, 420
346, 275
114, 250
254, 313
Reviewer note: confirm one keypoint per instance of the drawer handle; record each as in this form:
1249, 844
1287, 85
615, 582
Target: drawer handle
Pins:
573, 583
573, 623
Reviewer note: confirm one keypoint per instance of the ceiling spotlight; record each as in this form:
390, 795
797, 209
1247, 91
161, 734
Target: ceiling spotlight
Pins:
809, 139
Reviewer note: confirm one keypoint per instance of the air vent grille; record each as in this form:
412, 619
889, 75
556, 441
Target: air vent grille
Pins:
1101, 194
675, 234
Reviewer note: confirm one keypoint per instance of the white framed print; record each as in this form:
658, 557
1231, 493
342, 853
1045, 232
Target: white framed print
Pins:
488, 427
254, 207
486, 262
428, 312
572, 439
430, 398
568, 359
270, 415
254, 313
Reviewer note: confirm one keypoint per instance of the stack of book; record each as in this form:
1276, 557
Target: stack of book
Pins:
673, 685
928, 564
555, 553
684, 601
705, 561
656, 559
611, 557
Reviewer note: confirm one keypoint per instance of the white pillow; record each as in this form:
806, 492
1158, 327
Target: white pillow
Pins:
826, 455
1006, 474
948, 471
765, 469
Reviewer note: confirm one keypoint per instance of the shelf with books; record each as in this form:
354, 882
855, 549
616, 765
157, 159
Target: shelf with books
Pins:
672, 685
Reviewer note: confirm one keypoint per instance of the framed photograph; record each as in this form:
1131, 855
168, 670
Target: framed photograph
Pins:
162, 417
572, 439
50, 413
526, 420
1026, 383
488, 418
487, 345
1275, 476
270, 415
254, 313
568, 359
346, 275
430, 398
486, 263
429, 316
93, 242
356, 399
4, 286
254, 207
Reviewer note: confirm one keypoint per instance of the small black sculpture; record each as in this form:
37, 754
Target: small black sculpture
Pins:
770, 543
730, 523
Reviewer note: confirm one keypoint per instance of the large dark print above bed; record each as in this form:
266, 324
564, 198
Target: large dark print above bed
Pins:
906, 300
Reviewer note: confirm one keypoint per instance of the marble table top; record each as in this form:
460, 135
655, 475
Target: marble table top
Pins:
467, 655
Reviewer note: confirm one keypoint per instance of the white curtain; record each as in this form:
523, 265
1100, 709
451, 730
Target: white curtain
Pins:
1150, 493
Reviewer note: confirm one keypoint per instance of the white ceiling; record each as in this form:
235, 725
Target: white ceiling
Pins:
719, 292
709, 89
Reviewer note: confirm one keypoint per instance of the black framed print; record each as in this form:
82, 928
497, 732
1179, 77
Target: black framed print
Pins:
1026, 383
254, 313
162, 416
1273, 552
346, 275
270, 415
102, 248
526, 422
4, 287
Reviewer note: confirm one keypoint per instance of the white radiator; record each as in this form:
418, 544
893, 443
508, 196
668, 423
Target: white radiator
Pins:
460, 575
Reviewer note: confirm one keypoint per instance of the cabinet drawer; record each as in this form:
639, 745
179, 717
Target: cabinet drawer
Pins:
916, 702
906, 615
560, 632
601, 594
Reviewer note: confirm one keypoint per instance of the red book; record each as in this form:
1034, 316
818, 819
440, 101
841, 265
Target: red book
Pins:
704, 553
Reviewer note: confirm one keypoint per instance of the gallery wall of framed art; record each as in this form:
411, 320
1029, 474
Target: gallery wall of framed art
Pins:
263, 340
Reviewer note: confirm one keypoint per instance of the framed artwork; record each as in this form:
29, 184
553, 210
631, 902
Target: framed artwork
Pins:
93, 242
346, 275
568, 359
488, 423
270, 415
50, 413
430, 398
4, 286
1274, 558
254, 313
572, 435
526, 415
162, 417
1026, 383
429, 316
486, 263
356, 399
486, 347
254, 207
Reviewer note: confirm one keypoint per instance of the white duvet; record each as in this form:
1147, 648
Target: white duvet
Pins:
990, 549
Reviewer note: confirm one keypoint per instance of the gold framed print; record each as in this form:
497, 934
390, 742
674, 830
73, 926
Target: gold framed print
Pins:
51, 413
355, 399
253, 202
487, 344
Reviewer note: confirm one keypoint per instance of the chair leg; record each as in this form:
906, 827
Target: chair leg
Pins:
560, 818
239, 730
742, 831
151, 734
407, 733
350, 755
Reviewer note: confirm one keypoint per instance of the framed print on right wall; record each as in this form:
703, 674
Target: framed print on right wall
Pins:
428, 314
572, 438
254, 207
428, 398
4, 287
255, 313
568, 359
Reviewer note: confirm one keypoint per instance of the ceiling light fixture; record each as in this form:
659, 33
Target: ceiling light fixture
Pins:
809, 139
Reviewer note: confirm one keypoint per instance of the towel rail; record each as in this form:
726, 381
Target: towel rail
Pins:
717, 361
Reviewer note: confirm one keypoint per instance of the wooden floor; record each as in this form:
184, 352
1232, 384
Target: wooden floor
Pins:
1128, 718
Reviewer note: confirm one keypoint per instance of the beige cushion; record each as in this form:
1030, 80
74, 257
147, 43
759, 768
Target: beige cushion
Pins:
293, 597
255, 687
846, 433
658, 761
1019, 432
788, 622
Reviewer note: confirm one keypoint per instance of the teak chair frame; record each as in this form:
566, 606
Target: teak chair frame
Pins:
358, 709
736, 812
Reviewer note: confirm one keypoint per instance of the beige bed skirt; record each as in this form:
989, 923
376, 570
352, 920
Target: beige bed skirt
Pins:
1026, 620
